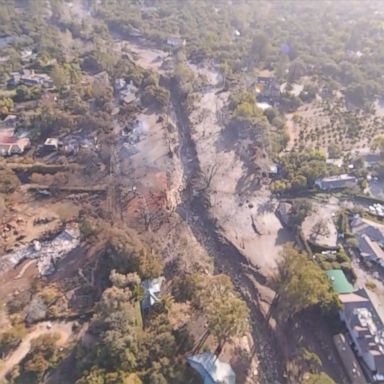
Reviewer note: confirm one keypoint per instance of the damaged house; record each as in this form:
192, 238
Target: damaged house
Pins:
126, 91
12, 145
30, 78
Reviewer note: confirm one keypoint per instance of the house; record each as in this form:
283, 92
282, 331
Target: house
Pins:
119, 84
336, 182
366, 330
152, 289
236, 33
326, 92
339, 282
8, 123
370, 240
15, 79
176, 42
370, 159
211, 369
27, 54
284, 213
292, 89
135, 32
51, 144
127, 93
267, 89
125, 90
12, 145
348, 358
30, 78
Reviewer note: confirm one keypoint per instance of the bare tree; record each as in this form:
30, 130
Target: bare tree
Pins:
320, 229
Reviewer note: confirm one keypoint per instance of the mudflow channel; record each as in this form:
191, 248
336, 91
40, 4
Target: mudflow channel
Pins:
194, 209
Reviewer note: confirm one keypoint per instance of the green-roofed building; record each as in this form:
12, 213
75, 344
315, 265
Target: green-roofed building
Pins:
339, 282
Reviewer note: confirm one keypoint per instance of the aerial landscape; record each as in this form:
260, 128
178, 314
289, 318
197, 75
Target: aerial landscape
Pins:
191, 191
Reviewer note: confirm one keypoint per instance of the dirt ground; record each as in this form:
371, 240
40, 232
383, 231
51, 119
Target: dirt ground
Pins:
22, 219
322, 213
245, 214
146, 58
17, 280
63, 329
152, 172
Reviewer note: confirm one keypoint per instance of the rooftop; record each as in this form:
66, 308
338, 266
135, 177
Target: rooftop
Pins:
211, 369
338, 177
366, 326
370, 239
340, 283
152, 288
349, 360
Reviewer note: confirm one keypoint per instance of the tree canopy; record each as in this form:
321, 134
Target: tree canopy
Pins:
301, 284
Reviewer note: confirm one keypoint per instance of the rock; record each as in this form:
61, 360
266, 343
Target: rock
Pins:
36, 245
36, 311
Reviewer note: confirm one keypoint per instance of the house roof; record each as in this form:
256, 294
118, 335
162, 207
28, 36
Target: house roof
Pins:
4, 149
363, 320
349, 360
369, 247
336, 181
211, 369
52, 141
332, 179
5, 139
152, 288
340, 283
369, 238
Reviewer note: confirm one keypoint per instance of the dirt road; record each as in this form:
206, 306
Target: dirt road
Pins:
61, 328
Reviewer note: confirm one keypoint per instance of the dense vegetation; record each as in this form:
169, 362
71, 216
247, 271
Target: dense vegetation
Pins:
300, 285
335, 43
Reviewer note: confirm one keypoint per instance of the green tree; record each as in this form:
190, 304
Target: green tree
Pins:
318, 378
59, 76
260, 46
299, 182
9, 182
150, 264
6, 106
10, 339
43, 355
301, 284
301, 208
378, 144
226, 313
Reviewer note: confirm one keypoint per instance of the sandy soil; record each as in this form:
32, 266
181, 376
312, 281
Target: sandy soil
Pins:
25, 211
323, 213
152, 168
64, 330
146, 58
13, 284
247, 217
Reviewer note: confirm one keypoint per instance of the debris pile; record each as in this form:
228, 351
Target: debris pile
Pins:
47, 253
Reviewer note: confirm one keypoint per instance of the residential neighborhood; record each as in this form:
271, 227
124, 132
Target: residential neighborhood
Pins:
191, 192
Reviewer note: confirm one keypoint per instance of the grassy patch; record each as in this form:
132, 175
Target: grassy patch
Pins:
7, 93
371, 285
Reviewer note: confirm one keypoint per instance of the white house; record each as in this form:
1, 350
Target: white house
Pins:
336, 182
366, 329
